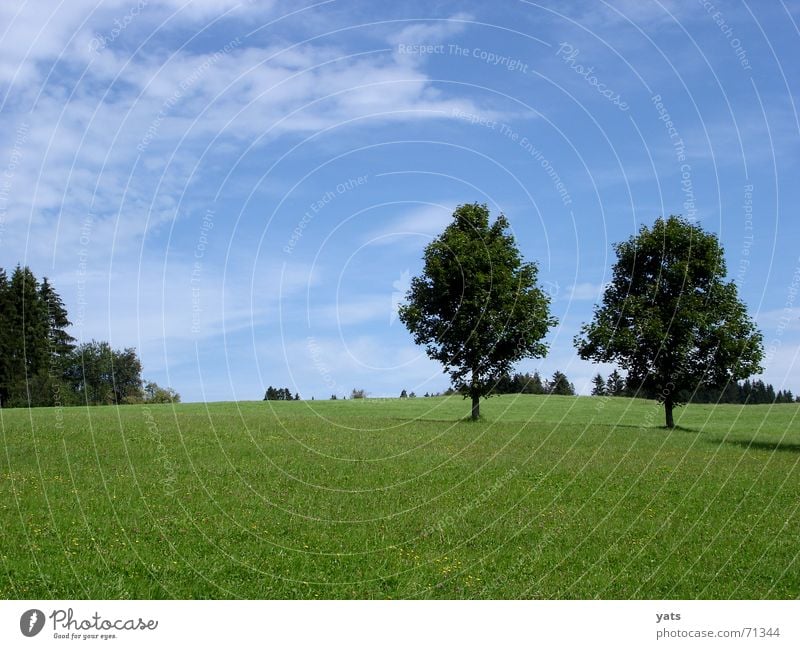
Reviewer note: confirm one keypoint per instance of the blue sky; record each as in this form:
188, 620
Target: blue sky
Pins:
242, 190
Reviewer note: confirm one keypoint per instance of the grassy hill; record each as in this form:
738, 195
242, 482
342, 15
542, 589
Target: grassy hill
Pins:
547, 497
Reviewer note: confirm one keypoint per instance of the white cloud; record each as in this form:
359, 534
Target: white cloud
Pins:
779, 320
366, 309
431, 32
169, 302
586, 291
641, 12
83, 149
41, 32
420, 222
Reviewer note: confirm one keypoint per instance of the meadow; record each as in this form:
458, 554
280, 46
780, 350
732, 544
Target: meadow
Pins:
545, 497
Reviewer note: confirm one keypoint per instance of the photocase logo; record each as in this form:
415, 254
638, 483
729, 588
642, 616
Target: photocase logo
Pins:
401, 286
31, 622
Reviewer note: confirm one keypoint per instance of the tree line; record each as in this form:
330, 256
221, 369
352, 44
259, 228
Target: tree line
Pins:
280, 394
534, 384
41, 364
616, 385
517, 383
744, 392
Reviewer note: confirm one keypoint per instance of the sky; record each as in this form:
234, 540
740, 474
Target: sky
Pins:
242, 191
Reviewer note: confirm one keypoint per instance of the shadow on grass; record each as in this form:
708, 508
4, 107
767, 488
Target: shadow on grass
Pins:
660, 429
455, 420
785, 447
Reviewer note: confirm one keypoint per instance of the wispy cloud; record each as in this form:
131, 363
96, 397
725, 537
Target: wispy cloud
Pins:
420, 222
585, 291
431, 32
122, 135
779, 320
640, 12
376, 308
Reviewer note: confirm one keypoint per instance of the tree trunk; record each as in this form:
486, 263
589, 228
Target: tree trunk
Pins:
476, 407
668, 406
475, 394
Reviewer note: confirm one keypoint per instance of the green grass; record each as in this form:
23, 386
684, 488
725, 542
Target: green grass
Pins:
546, 497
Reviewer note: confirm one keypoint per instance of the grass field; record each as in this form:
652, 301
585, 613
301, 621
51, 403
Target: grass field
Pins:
547, 497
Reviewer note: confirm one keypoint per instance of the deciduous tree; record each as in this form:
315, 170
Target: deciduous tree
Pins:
670, 318
476, 306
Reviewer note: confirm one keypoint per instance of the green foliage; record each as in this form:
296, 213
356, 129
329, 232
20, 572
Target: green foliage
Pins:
154, 393
100, 375
669, 318
358, 394
532, 384
615, 385
522, 384
61, 343
7, 308
278, 394
599, 388
34, 344
560, 384
476, 307
39, 363
747, 392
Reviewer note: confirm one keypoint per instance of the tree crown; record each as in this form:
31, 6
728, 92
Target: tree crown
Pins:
669, 317
476, 306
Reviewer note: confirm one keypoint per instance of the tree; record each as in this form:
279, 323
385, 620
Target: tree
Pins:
26, 340
39, 363
10, 342
403, 394
560, 384
61, 343
598, 386
50, 384
358, 394
534, 384
477, 307
126, 375
742, 393
669, 318
101, 375
505, 384
615, 386
6, 318
34, 344
279, 394
154, 393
